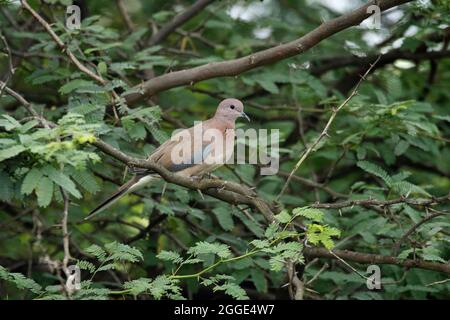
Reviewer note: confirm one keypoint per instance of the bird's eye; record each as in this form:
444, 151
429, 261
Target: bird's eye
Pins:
232, 106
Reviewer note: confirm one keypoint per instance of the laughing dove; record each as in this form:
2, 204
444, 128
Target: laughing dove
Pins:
190, 152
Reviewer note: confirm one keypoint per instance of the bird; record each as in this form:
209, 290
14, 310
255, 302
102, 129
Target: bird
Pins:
191, 152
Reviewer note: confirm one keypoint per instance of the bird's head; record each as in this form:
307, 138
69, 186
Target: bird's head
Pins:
230, 109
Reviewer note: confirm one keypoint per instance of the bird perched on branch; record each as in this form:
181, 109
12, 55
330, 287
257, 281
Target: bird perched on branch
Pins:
190, 152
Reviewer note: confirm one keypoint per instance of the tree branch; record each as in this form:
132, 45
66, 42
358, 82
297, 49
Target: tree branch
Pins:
381, 203
414, 227
368, 258
125, 16
228, 191
258, 59
325, 130
178, 20
61, 44
391, 56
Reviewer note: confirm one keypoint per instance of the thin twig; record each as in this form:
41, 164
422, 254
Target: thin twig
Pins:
44, 122
438, 282
414, 227
11, 69
125, 16
325, 130
61, 44
324, 267
348, 265
178, 20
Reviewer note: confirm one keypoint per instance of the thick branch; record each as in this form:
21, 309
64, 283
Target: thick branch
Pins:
381, 203
390, 57
368, 258
178, 20
258, 59
224, 190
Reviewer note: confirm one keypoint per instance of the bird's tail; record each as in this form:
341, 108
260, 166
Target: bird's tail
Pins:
134, 184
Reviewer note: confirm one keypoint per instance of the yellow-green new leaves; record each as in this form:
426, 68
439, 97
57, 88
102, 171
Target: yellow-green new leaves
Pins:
49, 149
316, 232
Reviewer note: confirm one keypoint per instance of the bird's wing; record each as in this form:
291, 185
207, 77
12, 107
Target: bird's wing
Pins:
184, 150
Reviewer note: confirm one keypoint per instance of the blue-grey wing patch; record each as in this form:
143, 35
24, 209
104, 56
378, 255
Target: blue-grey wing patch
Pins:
198, 157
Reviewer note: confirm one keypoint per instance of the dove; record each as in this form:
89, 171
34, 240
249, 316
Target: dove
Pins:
191, 152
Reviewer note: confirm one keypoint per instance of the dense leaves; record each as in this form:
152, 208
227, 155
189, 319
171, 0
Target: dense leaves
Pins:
388, 145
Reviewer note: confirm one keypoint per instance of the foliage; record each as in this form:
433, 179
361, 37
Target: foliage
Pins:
391, 141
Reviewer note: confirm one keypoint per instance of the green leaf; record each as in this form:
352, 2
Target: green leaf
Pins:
75, 84
9, 123
225, 218
108, 266
276, 263
102, 68
20, 281
11, 152
44, 192
407, 188
322, 234
31, 181
271, 231
268, 85
260, 243
202, 247
161, 287
376, 171
259, 280
6, 187
170, 256
401, 148
62, 180
86, 265
310, 213
283, 216
432, 254
233, 290
86, 179
97, 252
122, 252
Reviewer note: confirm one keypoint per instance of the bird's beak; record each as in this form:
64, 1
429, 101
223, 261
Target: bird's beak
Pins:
245, 116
